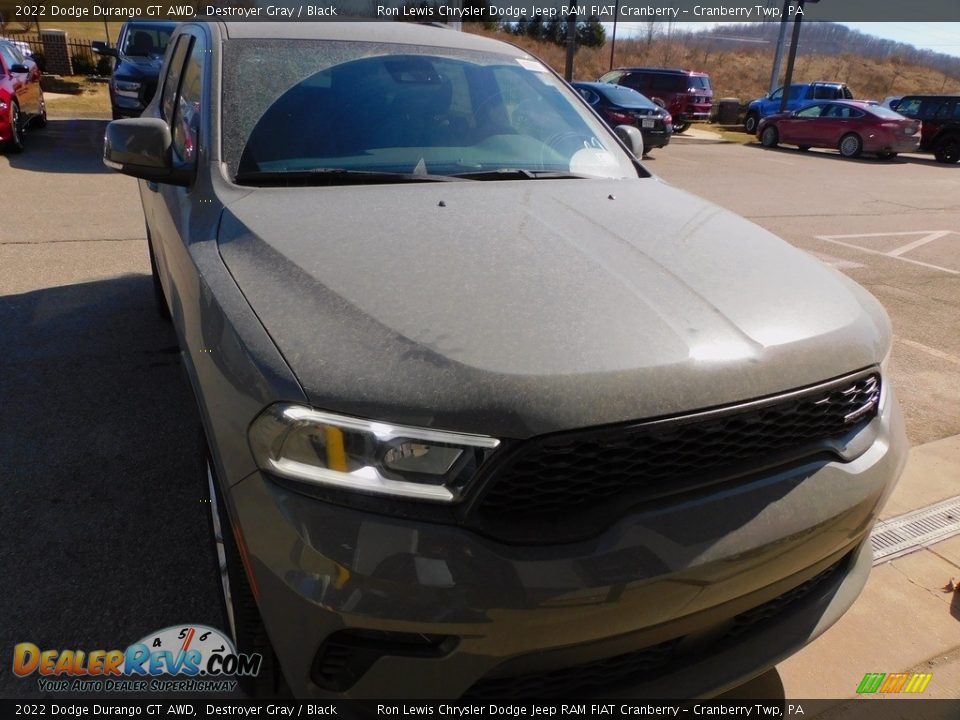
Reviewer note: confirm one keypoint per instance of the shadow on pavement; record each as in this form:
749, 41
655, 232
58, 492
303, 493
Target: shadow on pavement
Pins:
63, 146
768, 686
106, 528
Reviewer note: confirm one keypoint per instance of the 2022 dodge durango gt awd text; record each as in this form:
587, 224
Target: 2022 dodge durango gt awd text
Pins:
490, 410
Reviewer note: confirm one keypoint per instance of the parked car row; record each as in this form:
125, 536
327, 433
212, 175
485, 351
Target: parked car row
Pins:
21, 97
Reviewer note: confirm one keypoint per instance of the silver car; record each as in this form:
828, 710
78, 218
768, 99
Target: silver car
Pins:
491, 411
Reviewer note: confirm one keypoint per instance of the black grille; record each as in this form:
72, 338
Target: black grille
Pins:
574, 472
623, 670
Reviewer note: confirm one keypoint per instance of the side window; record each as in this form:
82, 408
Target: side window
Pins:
929, 108
777, 94
909, 107
847, 94
189, 104
810, 112
634, 81
588, 95
956, 110
171, 82
611, 77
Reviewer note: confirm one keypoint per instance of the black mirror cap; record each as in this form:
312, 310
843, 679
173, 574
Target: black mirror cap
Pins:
140, 147
632, 138
19, 68
101, 48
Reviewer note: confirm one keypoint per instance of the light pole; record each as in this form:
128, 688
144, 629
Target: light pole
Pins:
613, 39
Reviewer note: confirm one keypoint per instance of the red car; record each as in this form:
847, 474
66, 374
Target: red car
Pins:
851, 126
21, 99
686, 94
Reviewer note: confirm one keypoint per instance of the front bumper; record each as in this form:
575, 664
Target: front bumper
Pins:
683, 570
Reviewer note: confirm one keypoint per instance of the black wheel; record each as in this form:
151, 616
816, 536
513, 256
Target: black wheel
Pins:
769, 137
243, 616
40, 121
947, 150
15, 143
163, 309
750, 124
681, 127
803, 148
850, 145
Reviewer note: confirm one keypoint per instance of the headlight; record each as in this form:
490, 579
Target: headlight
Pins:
299, 443
127, 88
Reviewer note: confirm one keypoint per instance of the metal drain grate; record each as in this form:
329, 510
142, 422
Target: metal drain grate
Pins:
914, 530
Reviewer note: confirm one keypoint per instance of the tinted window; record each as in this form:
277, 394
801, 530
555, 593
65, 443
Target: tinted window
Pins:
929, 108
700, 82
171, 83
810, 112
910, 107
294, 105
667, 83
145, 40
826, 92
625, 97
186, 121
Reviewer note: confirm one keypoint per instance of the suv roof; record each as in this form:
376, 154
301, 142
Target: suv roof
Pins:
674, 71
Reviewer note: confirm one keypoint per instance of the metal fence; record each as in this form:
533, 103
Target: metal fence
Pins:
82, 58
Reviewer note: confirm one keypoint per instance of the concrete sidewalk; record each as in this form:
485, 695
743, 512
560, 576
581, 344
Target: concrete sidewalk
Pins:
906, 620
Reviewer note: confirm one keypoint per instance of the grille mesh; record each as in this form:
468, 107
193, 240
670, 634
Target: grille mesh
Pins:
571, 472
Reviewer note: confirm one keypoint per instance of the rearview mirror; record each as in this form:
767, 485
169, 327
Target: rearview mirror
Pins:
140, 147
101, 48
632, 138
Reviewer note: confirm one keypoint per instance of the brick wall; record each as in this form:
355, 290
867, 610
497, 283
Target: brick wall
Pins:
56, 52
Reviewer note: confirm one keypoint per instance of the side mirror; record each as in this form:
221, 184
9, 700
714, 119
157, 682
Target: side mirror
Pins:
140, 147
19, 68
632, 138
101, 48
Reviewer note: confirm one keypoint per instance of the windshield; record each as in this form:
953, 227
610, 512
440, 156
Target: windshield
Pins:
143, 41
308, 106
625, 97
881, 111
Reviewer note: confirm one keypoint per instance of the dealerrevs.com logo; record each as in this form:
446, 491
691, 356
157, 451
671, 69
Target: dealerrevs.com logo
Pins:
186, 658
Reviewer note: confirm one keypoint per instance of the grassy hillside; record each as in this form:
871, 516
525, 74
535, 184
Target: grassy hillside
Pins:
745, 73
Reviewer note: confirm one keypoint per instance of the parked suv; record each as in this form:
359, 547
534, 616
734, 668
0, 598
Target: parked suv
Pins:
685, 93
940, 115
139, 55
800, 95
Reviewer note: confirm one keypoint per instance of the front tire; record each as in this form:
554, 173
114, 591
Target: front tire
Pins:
163, 309
240, 606
770, 137
948, 150
803, 148
680, 127
15, 143
751, 122
850, 145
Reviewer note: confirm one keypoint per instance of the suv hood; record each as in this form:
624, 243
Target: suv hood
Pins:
515, 308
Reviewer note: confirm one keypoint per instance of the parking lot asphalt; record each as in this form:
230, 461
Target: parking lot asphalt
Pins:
106, 533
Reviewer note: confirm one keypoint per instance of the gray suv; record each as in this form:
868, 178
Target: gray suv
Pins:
491, 412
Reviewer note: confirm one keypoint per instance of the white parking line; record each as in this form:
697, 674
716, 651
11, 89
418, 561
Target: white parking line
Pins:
835, 262
927, 236
918, 243
929, 350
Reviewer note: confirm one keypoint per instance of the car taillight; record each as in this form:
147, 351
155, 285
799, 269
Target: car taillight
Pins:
617, 116
668, 119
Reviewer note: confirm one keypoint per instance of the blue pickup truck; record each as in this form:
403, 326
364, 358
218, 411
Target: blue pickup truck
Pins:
800, 95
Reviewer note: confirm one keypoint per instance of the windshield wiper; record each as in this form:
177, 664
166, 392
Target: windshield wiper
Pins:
517, 174
333, 176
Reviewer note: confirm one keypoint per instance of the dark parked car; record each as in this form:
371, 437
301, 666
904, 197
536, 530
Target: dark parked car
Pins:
619, 105
686, 94
801, 95
139, 55
940, 115
852, 127
490, 410
21, 97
